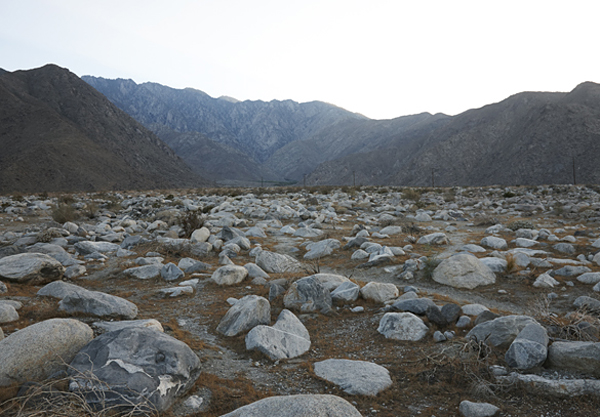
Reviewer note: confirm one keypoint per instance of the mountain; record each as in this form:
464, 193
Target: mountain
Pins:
256, 128
59, 134
528, 138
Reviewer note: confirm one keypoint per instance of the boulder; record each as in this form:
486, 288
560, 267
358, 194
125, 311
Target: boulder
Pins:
278, 263
433, 239
200, 235
379, 292
494, 242
391, 230
402, 326
171, 272
287, 338
322, 248
59, 289
8, 313
575, 356
463, 271
111, 326
330, 281
589, 278
134, 367
144, 271
529, 349
345, 293
500, 332
308, 232
229, 275
307, 295
303, 405
30, 268
86, 247
417, 306
97, 304
451, 312
42, 349
354, 377
495, 264
545, 281
246, 313
588, 303
255, 271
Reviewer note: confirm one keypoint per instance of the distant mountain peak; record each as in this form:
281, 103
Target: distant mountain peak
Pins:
229, 99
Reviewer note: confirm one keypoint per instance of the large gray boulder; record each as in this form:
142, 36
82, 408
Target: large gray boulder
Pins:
277, 263
463, 271
322, 248
402, 326
229, 275
330, 281
494, 242
303, 405
575, 356
59, 289
171, 272
42, 349
246, 313
308, 295
500, 332
30, 268
132, 367
354, 377
529, 349
415, 305
144, 272
99, 304
433, 239
287, 338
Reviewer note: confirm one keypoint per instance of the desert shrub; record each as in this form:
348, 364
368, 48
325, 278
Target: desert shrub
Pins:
508, 194
484, 221
411, 194
430, 265
520, 224
90, 210
191, 221
64, 213
511, 264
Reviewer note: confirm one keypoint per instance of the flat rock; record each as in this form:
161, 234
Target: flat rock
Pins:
471, 409
97, 304
433, 239
463, 271
529, 349
417, 306
589, 278
345, 292
575, 356
30, 268
379, 292
42, 349
500, 332
354, 377
494, 242
111, 326
278, 263
303, 405
144, 271
86, 247
134, 365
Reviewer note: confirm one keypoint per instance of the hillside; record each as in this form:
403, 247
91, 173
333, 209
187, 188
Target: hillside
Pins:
59, 134
529, 138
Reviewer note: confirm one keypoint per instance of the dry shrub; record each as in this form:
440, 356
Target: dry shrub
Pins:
190, 222
412, 194
64, 213
485, 221
511, 264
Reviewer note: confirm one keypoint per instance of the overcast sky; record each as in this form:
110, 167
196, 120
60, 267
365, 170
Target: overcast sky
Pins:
383, 59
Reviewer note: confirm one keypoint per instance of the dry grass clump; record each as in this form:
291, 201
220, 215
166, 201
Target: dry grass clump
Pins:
412, 194
64, 213
511, 264
191, 221
485, 221
520, 224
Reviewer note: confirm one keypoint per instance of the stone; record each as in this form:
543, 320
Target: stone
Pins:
561, 388
473, 248
286, 339
417, 306
75, 271
302, 405
144, 271
255, 271
575, 356
565, 248
359, 254
8, 313
589, 278
30, 268
439, 337
97, 304
86, 247
132, 366
330, 281
277, 263
177, 291
485, 315
391, 230
402, 326
229, 275
111, 326
433, 239
308, 295
525, 243
471, 409
451, 312
500, 332
171, 272
474, 309
42, 349
463, 271
322, 248
529, 349
200, 235
463, 321
246, 313
588, 303
379, 292
354, 377
545, 281
572, 270
346, 292
275, 290
255, 232
308, 232
494, 242
495, 264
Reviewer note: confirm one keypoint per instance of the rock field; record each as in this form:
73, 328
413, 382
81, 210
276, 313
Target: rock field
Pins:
302, 302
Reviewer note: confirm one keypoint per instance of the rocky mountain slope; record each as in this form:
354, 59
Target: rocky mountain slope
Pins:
529, 138
59, 134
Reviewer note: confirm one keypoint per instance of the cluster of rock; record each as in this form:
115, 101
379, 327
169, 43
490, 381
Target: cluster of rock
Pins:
282, 236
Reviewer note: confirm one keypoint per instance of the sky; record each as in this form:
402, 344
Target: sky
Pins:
383, 59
